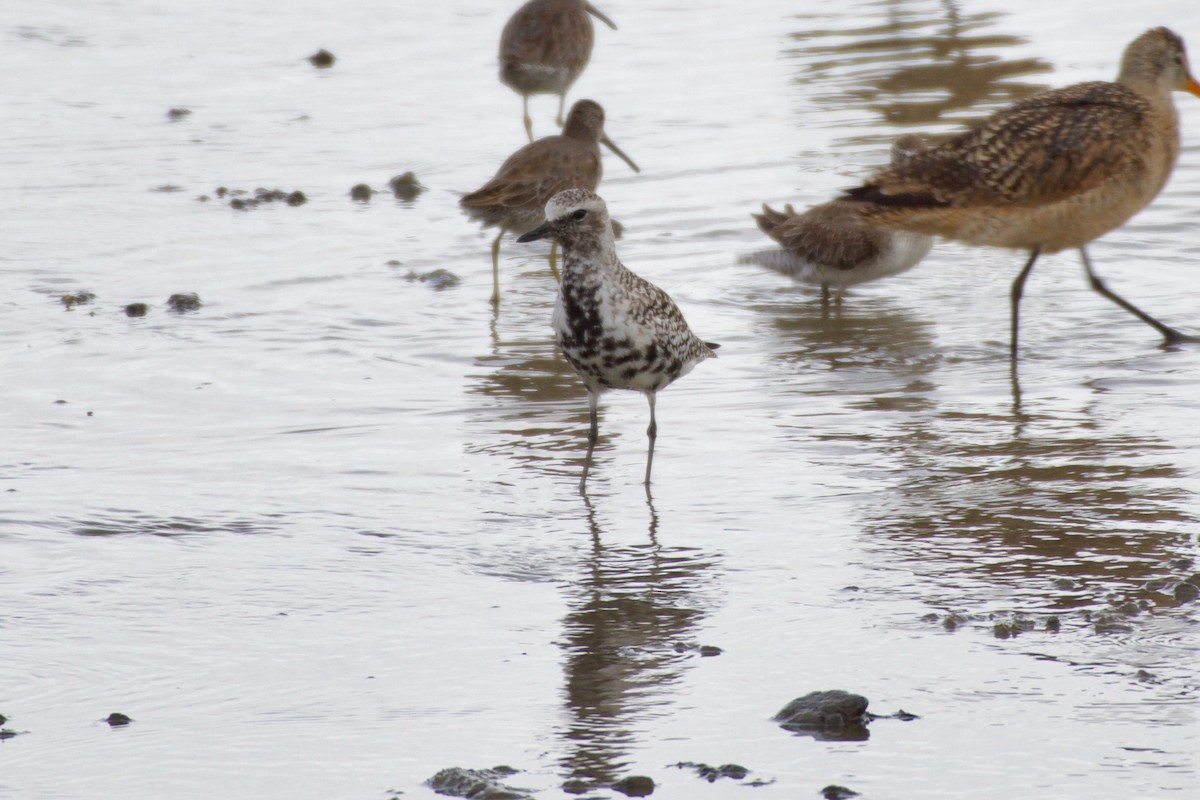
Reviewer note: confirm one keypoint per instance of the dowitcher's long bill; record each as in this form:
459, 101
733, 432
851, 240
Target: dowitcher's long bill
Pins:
832, 245
544, 47
1052, 172
515, 198
617, 330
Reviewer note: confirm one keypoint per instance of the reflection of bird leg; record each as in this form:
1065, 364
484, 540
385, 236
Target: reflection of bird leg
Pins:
1170, 335
554, 261
528, 119
496, 269
653, 530
593, 435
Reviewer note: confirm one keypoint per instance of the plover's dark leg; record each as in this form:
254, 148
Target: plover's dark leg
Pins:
554, 261
1018, 288
651, 434
496, 268
593, 434
1170, 335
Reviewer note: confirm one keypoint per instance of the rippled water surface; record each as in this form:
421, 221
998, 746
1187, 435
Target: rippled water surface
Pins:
322, 538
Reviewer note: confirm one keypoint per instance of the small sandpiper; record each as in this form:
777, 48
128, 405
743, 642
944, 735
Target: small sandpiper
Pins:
514, 199
831, 245
1051, 172
617, 330
544, 47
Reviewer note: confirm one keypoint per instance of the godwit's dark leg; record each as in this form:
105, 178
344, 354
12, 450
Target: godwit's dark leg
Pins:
593, 434
496, 269
1170, 335
651, 434
1018, 288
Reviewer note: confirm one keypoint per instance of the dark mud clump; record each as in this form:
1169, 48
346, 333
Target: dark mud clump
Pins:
477, 784
183, 302
833, 714
322, 59
705, 650
136, 310
437, 279
635, 786
361, 192
712, 774
117, 719
835, 792
406, 187
243, 200
72, 299
8, 733
178, 113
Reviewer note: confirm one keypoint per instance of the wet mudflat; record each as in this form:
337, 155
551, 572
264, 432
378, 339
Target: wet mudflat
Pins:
320, 535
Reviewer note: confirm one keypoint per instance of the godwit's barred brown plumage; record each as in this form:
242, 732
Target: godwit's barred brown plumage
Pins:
617, 330
515, 198
544, 47
1051, 172
832, 245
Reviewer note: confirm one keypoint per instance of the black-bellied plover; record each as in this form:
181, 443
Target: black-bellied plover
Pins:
831, 245
544, 47
1051, 172
617, 330
514, 199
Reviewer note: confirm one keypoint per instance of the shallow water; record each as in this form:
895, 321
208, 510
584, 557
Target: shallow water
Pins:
322, 538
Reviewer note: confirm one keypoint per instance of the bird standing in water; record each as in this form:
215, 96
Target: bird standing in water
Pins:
832, 245
544, 47
1051, 172
515, 198
617, 330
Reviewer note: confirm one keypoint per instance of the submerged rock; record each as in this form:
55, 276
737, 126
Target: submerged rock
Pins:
322, 59
136, 310
437, 279
72, 299
477, 784
178, 113
117, 719
835, 792
361, 192
8, 733
635, 786
711, 774
183, 302
406, 187
833, 714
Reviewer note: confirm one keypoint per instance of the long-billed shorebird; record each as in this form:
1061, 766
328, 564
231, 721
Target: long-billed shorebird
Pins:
1051, 172
515, 198
544, 47
617, 330
832, 245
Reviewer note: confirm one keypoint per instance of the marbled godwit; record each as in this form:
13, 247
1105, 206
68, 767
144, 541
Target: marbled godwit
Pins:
832, 245
515, 198
617, 330
1051, 172
544, 47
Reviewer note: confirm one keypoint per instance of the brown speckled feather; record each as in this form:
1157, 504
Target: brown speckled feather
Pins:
538, 171
819, 234
556, 34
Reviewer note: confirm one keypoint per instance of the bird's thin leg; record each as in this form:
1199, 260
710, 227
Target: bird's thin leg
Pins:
825, 296
554, 261
651, 434
1170, 335
593, 434
562, 100
528, 119
496, 269
1018, 288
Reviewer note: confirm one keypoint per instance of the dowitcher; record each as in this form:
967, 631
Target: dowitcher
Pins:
831, 245
544, 47
617, 330
1051, 172
515, 198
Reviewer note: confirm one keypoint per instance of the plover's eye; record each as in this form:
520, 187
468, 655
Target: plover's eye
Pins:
578, 215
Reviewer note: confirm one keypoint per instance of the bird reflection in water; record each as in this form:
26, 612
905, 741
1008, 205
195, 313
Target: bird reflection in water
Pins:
917, 65
628, 637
